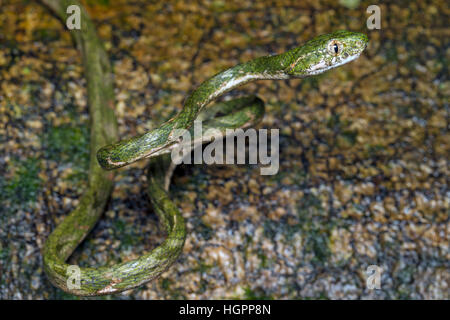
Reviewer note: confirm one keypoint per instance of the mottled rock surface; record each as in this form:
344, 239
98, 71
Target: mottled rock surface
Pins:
364, 151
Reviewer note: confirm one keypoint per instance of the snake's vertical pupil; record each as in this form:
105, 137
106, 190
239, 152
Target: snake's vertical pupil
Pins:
336, 48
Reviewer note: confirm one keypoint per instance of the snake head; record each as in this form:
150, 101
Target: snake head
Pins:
325, 52
124, 152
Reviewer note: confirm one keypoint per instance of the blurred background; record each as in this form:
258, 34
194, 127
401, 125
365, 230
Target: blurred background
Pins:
364, 150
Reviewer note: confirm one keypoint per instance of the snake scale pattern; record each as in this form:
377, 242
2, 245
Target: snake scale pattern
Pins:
318, 55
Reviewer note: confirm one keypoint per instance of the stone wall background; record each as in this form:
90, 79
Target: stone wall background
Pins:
363, 150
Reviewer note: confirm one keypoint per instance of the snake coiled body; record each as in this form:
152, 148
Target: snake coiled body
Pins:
316, 56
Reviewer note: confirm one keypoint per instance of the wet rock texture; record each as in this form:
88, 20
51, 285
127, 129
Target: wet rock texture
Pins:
364, 150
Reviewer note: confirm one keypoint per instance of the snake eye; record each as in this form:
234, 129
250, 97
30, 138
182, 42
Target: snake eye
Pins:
335, 47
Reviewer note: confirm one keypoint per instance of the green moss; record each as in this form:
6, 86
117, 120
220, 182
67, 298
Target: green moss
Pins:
391, 52
314, 223
173, 292
256, 294
336, 123
61, 295
46, 35
218, 6
126, 233
24, 186
373, 150
78, 177
272, 229
205, 230
312, 82
345, 137
202, 267
26, 70
119, 226
4, 253
406, 275
403, 291
165, 284
263, 259
15, 110
333, 121
317, 242
411, 62
321, 296
349, 136
296, 174
104, 3
129, 240
69, 144
349, 4
307, 206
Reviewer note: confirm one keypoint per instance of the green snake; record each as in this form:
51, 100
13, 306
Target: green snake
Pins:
320, 54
